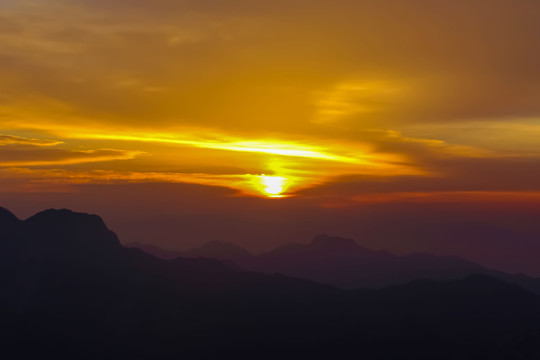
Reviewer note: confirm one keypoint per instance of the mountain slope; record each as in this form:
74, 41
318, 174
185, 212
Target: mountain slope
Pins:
73, 292
343, 263
337, 261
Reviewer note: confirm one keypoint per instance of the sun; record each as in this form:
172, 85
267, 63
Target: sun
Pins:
273, 186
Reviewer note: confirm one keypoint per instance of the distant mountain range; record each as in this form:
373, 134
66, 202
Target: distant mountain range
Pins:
343, 263
69, 290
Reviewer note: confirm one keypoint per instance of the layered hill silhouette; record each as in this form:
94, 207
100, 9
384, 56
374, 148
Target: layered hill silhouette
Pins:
70, 290
344, 263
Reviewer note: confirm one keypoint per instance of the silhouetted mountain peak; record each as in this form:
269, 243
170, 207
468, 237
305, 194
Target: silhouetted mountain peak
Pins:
73, 302
8, 224
328, 242
60, 215
66, 226
7, 218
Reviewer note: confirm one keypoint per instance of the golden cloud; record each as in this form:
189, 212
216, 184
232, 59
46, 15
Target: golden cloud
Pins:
12, 140
57, 157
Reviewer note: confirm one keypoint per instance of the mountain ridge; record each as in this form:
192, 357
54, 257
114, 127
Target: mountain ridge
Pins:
344, 263
109, 302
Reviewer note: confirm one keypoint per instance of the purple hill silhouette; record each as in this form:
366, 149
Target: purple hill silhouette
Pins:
342, 262
219, 250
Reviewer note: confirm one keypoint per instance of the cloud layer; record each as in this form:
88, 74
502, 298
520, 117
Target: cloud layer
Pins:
333, 95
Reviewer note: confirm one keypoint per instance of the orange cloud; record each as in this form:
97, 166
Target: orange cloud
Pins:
56, 157
346, 88
12, 140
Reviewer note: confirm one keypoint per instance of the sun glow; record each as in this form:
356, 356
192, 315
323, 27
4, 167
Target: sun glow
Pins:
273, 186
264, 167
271, 147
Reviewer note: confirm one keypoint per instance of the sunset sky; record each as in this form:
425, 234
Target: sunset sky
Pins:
183, 121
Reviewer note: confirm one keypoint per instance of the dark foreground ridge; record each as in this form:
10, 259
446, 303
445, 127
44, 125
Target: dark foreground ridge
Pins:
69, 290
